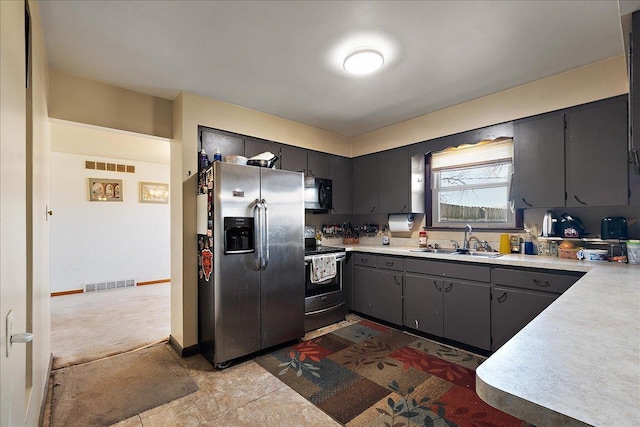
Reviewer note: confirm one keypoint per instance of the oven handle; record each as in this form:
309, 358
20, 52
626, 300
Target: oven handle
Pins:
339, 258
324, 310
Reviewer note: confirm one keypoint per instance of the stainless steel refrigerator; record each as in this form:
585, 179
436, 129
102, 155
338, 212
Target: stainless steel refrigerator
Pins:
251, 260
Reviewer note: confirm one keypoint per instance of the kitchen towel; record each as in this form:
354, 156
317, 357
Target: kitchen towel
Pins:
323, 268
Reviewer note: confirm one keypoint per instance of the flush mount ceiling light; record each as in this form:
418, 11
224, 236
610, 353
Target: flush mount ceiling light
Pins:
363, 61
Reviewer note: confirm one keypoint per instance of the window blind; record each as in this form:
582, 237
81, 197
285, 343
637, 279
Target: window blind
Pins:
483, 152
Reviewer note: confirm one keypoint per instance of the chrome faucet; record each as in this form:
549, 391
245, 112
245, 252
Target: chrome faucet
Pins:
465, 243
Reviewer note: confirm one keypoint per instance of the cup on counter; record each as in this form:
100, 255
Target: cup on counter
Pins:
505, 244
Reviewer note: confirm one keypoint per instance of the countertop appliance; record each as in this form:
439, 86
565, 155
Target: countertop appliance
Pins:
251, 261
325, 301
549, 225
614, 227
318, 194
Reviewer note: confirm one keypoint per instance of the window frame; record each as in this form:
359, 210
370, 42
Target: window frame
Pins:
518, 215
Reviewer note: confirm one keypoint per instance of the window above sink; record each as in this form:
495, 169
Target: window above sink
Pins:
470, 184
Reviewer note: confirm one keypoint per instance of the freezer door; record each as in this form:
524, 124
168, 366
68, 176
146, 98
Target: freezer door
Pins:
237, 280
282, 279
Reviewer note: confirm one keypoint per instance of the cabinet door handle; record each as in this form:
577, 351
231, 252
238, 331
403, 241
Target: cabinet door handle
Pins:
580, 201
417, 327
527, 203
541, 283
364, 260
502, 298
372, 209
390, 264
435, 283
403, 208
449, 288
395, 279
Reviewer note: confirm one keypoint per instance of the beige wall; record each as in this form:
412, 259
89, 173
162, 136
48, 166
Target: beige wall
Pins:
87, 101
590, 83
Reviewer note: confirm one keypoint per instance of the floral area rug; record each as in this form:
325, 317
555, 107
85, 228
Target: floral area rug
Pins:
367, 374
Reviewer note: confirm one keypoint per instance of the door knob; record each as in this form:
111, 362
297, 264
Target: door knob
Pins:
11, 338
22, 338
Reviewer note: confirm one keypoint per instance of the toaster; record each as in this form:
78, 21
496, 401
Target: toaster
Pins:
614, 227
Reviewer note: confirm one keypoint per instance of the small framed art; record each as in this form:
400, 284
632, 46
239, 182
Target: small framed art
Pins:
154, 192
105, 190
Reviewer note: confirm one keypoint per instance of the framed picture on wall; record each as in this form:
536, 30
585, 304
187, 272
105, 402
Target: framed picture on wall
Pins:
154, 192
105, 190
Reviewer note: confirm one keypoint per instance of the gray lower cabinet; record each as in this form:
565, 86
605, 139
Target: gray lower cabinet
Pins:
519, 295
512, 309
423, 305
377, 292
445, 303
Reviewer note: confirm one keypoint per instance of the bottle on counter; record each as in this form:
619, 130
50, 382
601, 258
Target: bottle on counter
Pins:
528, 243
217, 157
385, 236
318, 238
422, 240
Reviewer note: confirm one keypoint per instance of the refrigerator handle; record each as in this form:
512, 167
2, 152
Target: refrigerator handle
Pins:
265, 239
257, 235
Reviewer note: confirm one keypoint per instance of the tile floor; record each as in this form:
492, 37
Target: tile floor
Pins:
241, 395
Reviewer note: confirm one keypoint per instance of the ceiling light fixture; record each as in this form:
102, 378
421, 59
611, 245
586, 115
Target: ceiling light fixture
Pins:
363, 61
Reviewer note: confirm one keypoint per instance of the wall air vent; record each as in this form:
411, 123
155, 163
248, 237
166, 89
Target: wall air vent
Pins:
107, 286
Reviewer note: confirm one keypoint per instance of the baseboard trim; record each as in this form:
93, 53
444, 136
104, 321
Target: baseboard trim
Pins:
73, 291
153, 282
183, 352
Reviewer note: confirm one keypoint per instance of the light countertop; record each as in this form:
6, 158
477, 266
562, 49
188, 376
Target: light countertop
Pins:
578, 362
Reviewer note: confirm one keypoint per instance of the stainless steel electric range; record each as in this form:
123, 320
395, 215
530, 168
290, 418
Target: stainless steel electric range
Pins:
325, 301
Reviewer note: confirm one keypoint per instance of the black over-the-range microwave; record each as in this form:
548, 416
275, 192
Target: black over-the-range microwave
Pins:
317, 194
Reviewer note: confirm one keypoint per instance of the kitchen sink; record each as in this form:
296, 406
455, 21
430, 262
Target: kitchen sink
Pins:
481, 254
435, 251
458, 252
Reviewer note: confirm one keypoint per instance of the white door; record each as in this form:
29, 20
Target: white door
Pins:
12, 210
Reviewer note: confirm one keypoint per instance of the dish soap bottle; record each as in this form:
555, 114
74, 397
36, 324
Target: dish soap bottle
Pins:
385, 236
422, 241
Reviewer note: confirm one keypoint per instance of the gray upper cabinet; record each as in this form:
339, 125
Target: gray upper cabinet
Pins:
311, 163
294, 159
394, 170
538, 163
340, 174
596, 147
365, 184
634, 103
253, 147
318, 164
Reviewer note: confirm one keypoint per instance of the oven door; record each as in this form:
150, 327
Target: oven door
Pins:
326, 287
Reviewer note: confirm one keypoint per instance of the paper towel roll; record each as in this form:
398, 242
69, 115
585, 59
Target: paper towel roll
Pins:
400, 223
202, 201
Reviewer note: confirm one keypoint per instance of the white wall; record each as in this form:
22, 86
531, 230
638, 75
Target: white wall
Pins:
101, 241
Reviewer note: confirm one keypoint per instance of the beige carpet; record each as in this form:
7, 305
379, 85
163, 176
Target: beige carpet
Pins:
94, 325
106, 391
